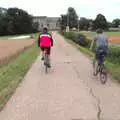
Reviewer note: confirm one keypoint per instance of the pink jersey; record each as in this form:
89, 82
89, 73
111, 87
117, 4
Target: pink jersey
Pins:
45, 40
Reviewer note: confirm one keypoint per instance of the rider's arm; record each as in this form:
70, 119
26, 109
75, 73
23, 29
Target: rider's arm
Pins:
107, 40
51, 41
91, 46
92, 43
107, 44
39, 41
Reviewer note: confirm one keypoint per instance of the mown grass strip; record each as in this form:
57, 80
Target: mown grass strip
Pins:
12, 73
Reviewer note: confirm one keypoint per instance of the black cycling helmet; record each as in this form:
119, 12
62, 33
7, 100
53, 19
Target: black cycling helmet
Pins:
99, 31
45, 29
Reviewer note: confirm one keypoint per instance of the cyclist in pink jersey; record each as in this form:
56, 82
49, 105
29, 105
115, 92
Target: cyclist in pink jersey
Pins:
45, 41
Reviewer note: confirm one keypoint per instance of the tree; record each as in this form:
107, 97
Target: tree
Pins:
100, 22
3, 22
35, 26
19, 21
116, 23
16, 21
109, 25
72, 18
84, 23
3, 10
63, 22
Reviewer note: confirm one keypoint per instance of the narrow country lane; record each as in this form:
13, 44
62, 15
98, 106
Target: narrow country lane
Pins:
68, 92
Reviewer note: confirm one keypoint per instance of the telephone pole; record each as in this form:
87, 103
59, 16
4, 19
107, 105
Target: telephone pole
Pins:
78, 24
67, 27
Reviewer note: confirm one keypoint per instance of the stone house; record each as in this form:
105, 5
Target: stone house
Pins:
50, 22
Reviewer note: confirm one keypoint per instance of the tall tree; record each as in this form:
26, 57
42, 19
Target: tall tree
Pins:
35, 26
116, 22
3, 21
63, 22
110, 24
16, 21
19, 21
72, 18
100, 22
84, 23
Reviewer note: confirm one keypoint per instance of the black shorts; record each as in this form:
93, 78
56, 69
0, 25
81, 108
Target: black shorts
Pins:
100, 55
47, 48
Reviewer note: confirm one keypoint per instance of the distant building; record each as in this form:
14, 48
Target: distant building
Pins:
50, 22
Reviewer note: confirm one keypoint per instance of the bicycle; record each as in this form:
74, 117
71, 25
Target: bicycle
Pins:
100, 68
46, 60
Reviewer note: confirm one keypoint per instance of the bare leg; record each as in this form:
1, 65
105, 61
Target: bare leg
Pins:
49, 64
42, 55
94, 66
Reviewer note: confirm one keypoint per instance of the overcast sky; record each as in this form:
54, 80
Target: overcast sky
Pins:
54, 8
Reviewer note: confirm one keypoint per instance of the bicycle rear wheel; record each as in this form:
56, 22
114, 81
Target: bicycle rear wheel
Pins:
103, 75
46, 63
95, 68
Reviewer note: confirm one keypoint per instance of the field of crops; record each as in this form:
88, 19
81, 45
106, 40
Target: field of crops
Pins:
16, 56
114, 37
10, 48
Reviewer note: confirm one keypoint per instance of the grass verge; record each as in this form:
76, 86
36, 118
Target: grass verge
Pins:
12, 73
82, 49
114, 70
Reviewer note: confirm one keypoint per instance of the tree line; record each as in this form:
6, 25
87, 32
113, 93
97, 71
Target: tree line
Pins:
16, 21
72, 20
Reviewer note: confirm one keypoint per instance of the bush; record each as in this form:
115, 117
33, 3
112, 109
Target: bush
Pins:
114, 55
114, 29
77, 38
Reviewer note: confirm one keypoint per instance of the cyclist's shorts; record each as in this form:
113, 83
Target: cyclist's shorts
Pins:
48, 49
100, 54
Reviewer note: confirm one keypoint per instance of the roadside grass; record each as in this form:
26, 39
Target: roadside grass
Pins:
115, 42
82, 49
112, 33
113, 69
12, 74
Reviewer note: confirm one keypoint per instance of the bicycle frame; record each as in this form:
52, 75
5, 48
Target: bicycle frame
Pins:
46, 60
100, 69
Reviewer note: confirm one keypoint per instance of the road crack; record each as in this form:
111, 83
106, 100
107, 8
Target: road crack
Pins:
98, 104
